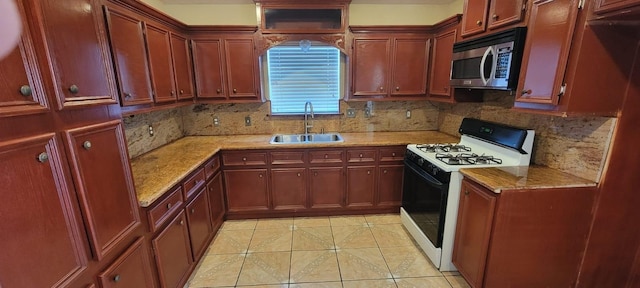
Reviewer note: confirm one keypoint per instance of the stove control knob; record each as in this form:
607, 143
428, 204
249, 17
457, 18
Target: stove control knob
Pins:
435, 171
420, 161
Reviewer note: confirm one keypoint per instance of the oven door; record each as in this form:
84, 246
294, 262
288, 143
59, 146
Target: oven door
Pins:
424, 198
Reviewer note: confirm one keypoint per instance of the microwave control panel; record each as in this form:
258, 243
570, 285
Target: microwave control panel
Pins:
503, 62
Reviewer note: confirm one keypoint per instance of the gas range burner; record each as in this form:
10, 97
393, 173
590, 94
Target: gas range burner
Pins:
437, 148
467, 159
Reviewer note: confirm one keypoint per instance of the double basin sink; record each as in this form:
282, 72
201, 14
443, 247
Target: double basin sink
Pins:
306, 138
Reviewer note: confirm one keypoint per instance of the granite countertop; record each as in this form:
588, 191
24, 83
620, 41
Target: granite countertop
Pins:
155, 172
523, 177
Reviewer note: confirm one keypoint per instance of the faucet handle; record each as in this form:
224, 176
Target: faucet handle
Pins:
322, 130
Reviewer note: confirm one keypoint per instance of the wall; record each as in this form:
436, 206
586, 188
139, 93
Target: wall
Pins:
576, 145
387, 116
167, 125
359, 14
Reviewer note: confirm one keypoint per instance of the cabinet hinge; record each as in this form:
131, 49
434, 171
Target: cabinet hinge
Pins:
524, 6
581, 4
563, 88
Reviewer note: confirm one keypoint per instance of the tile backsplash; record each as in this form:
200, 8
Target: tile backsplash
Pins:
576, 145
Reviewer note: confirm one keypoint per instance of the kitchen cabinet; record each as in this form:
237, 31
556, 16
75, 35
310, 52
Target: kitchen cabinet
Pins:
131, 269
226, 68
390, 185
326, 187
289, 188
361, 186
159, 49
106, 192
173, 252
563, 61
440, 70
126, 34
20, 89
606, 6
543, 230
389, 66
41, 218
199, 219
216, 201
181, 56
80, 65
246, 190
478, 15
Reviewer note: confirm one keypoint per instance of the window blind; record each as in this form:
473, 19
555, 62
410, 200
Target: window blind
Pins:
297, 77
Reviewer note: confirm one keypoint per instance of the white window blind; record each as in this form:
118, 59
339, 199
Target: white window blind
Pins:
297, 77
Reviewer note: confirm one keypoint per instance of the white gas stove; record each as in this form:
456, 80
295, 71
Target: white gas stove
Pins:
431, 190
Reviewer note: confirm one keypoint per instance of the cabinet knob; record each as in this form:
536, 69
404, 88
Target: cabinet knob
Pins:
25, 90
43, 157
218, 91
193, 210
181, 92
527, 91
181, 222
326, 156
74, 89
244, 159
393, 154
381, 88
235, 90
298, 174
173, 93
397, 88
466, 192
315, 173
127, 95
494, 16
168, 206
260, 175
116, 278
360, 155
368, 172
86, 145
479, 23
210, 189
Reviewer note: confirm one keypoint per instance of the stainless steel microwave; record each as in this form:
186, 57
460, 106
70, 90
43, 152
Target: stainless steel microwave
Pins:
490, 62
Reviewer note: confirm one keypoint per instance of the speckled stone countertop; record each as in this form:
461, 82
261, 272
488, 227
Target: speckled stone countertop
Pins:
523, 177
156, 172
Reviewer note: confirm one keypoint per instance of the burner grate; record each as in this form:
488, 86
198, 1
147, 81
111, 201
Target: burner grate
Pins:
467, 159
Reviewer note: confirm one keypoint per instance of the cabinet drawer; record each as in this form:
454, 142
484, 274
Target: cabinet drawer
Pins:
326, 157
287, 158
392, 154
131, 269
244, 159
212, 166
361, 156
193, 183
160, 213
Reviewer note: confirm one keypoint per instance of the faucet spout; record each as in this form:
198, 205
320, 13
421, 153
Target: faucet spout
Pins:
308, 109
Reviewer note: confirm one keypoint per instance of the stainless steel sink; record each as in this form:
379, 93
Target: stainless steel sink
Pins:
306, 138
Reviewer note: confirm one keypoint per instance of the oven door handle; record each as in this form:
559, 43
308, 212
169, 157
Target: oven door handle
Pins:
483, 62
432, 181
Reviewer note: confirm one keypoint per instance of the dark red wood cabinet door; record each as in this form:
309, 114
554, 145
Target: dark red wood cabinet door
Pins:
43, 242
216, 200
390, 185
546, 51
208, 61
326, 187
603, 6
182, 66
104, 183
159, 49
371, 57
289, 188
361, 186
131, 269
440, 74
173, 252
246, 190
20, 89
410, 63
242, 69
473, 230
77, 48
199, 217
505, 12
130, 58
474, 16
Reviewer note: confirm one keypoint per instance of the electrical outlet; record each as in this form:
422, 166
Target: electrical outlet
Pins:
351, 113
408, 114
367, 112
151, 130
247, 121
216, 121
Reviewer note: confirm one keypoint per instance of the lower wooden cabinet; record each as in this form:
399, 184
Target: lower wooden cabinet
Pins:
289, 188
521, 238
173, 252
199, 218
247, 189
361, 186
216, 201
326, 187
131, 269
390, 185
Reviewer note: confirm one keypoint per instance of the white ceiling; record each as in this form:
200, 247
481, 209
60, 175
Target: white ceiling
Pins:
352, 2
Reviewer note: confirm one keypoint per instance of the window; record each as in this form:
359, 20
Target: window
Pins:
299, 73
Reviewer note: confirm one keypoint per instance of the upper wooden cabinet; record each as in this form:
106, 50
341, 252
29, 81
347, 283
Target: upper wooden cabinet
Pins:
441, 56
181, 56
159, 49
389, 66
76, 50
606, 6
569, 67
478, 15
129, 53
276, 16
226, 68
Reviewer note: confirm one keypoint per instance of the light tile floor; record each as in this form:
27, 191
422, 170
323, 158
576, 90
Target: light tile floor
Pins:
367, 251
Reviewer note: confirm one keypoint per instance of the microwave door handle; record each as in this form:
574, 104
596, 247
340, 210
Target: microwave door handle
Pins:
482, 62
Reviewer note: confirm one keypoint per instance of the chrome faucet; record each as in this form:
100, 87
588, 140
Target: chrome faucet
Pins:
306, 118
